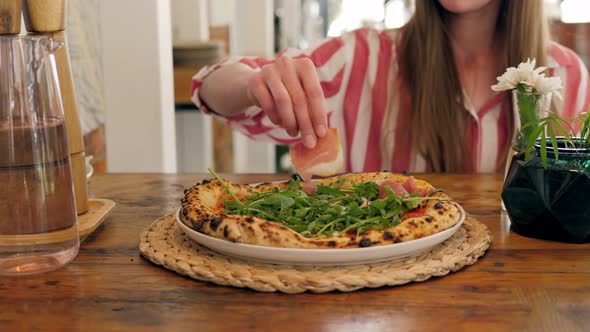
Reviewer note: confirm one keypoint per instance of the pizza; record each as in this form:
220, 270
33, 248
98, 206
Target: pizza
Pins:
346, 211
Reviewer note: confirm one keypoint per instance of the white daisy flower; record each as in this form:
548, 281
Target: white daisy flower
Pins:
508, 80
543, 85
533, 78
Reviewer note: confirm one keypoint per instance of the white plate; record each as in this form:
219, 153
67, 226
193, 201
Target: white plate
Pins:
321, 257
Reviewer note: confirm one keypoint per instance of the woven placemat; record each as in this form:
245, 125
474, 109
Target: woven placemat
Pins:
164, 243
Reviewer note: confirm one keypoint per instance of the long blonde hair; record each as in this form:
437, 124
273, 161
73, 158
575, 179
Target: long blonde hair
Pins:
428, 69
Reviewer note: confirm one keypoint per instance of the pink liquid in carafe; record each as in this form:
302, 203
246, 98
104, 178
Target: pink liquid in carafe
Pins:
36, 194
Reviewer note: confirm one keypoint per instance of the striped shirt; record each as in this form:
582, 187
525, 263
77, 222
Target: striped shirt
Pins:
358, 73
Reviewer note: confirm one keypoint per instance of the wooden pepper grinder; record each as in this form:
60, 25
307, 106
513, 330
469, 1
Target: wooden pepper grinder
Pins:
10, 13
48, 17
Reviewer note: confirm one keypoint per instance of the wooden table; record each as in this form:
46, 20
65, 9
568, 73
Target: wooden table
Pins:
520, 284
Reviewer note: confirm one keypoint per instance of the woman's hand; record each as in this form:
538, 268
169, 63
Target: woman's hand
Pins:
289, 92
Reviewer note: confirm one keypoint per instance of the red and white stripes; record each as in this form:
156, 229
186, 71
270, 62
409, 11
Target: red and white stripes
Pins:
358, 73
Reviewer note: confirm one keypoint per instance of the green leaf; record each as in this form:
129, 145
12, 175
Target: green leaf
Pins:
585, 130
543, 149
279, 200
532, 140
560, 128
326, 190
368, 190
226, 186
553, 142
528, 110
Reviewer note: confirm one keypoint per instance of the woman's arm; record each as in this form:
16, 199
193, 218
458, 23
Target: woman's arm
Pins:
225, 90
282, 99
287, 90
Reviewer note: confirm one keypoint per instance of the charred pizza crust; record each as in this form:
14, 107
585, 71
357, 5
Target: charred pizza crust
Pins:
202, 210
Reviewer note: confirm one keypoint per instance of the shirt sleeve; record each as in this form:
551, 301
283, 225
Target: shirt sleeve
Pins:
333, 59
574, 77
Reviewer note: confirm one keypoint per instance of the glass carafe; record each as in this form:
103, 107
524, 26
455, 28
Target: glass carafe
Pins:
38, 221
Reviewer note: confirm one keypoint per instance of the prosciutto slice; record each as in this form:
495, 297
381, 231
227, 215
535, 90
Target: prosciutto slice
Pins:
325, 159
412, 188
397, 188
407, 188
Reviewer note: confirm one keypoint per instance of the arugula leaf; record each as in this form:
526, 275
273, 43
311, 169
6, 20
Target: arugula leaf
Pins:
225, 185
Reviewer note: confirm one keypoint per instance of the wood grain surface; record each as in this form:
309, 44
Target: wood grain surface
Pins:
521, 284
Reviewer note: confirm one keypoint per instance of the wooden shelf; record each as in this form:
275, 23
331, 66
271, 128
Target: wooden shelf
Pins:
183, 74
182, 83
221, 133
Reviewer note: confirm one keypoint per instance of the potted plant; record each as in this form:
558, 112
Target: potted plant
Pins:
547, 185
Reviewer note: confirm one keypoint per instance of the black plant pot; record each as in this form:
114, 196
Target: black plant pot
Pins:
552, 203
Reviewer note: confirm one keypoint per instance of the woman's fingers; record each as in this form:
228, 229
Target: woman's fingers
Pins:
289, 92
282, 100
315, 95
259, 94
299, 100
